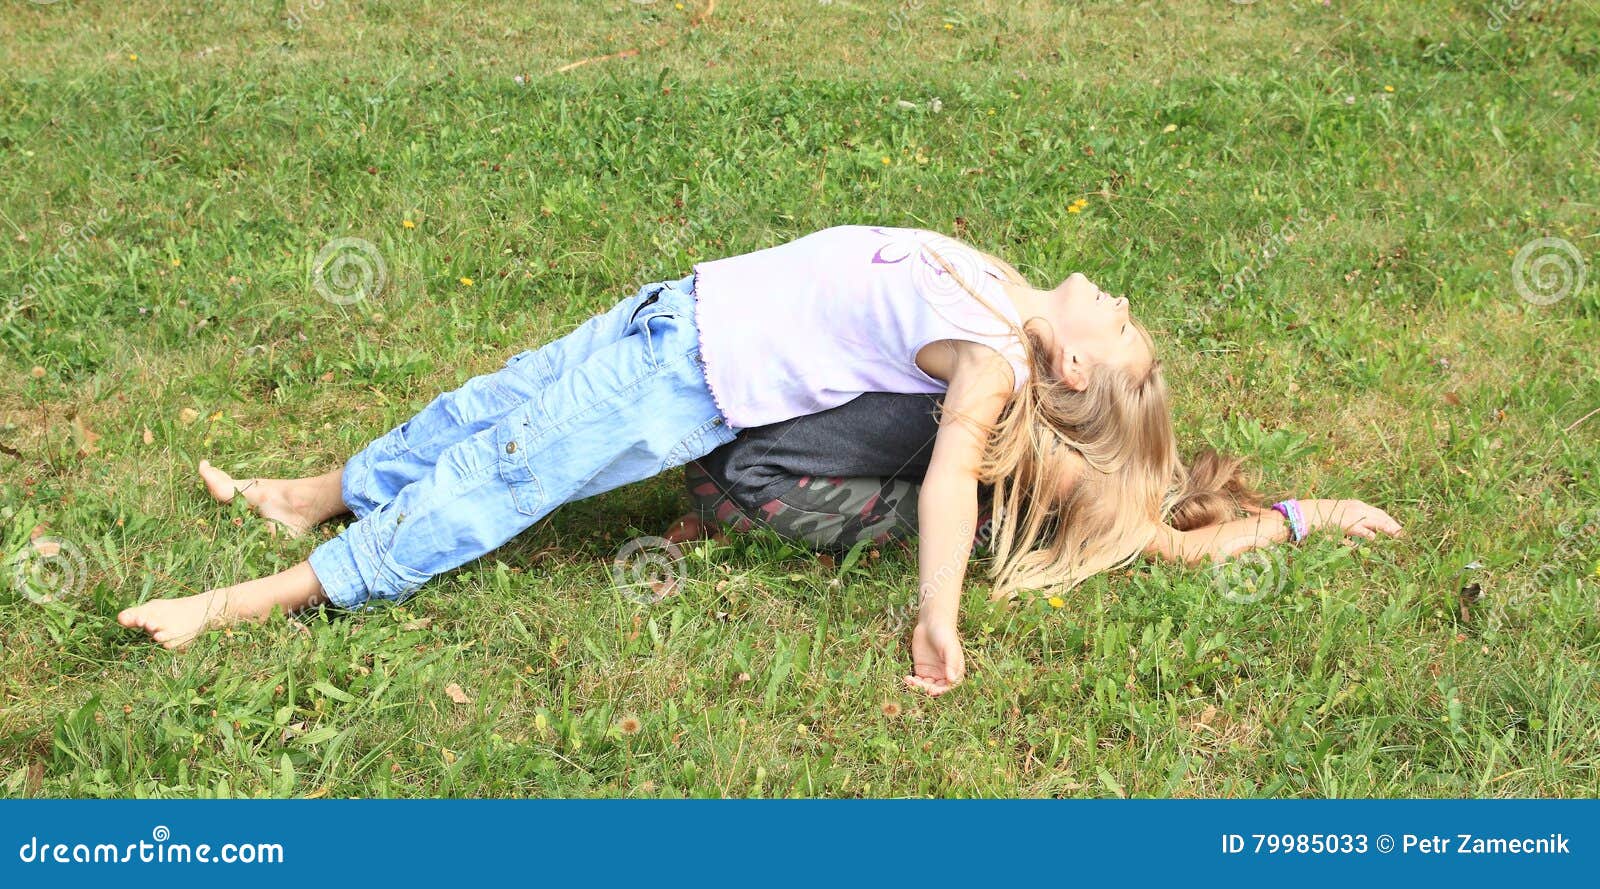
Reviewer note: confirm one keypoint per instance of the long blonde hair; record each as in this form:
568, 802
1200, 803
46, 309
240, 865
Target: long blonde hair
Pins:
1120, 424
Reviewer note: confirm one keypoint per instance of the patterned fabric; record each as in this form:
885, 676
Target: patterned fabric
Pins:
829, 514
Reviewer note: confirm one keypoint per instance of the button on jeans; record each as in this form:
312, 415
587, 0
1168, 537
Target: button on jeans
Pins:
620, 399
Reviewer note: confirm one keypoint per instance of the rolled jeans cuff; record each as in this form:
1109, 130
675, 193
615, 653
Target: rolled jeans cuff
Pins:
356, 479
334, 563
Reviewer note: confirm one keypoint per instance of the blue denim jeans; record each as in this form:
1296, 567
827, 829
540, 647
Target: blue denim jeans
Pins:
620, 399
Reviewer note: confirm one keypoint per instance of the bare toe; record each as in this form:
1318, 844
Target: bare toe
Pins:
220, 484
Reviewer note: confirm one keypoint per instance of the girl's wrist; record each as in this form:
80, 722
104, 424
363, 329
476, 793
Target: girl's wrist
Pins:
1295, 518
934, 611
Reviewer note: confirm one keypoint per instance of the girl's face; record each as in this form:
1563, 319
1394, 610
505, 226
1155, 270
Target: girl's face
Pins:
1093, 327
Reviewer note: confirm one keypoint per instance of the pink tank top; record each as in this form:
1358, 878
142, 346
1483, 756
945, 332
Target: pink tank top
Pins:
808, 325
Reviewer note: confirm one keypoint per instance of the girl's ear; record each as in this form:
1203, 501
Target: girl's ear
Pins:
1074, 374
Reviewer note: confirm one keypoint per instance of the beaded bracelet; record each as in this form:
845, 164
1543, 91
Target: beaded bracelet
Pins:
1297, 521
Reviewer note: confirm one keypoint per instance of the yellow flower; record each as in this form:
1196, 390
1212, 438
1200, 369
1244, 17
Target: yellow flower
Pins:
1057, 602
677, 5
466, 282
406, 223
948, 26
1387, 88
176, 262
886, 159
133, 57
1597, 569
1074, 209
1170, 128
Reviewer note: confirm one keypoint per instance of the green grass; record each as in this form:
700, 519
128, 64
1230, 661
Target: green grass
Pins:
1361, 174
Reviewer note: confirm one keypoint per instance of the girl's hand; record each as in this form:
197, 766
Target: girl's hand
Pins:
1353, 517
937, 663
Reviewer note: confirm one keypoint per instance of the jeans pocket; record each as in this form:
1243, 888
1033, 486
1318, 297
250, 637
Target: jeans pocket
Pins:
711, 435
511, 440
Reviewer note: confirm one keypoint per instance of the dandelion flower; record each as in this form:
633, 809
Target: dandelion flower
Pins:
465, 282
133, 57
406, 223
891, 709
629, 725
1057, 602
949, 27
886, 159
176, 262
1387, 88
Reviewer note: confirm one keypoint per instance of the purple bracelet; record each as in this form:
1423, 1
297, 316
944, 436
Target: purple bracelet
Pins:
1297, 522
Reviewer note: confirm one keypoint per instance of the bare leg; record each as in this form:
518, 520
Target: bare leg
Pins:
298, 505
175, 622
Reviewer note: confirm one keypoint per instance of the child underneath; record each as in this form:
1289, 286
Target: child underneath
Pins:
1053, 396
851, 475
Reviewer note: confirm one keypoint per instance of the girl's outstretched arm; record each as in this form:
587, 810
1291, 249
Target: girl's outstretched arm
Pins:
1220, 541
947, 508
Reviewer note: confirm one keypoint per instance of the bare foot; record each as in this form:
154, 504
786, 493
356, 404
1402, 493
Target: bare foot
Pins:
176, 622
690, 527
298, 505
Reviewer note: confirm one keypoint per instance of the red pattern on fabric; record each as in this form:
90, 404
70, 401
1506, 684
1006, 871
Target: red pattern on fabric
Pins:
869, 506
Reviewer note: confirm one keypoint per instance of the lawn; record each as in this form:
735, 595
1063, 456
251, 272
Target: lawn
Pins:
1363, 233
